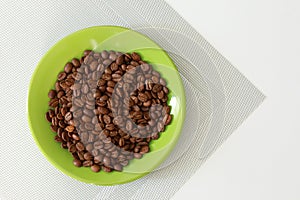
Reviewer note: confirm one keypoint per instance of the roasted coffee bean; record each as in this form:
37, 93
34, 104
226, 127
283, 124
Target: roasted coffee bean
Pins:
88, 156
87, 163
120, 60
72, 148
47, 116
77, 163
52, 94
135, 56
144, 149
75, 137
68, 67
75, 62
68, 116
70, 128
86, 119
95, 168
61, 76
80, 146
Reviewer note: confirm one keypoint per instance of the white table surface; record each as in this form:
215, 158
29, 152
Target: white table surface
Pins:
260, 161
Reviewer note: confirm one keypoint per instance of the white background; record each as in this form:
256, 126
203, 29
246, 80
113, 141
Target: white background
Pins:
261, 160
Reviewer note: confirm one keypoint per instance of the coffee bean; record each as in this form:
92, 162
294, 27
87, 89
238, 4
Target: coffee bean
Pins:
168, 120
75, 62
88, 156
106, 169
86, 119
53, 102
106, 161
72, 148
77, 163
80, 146
62, 76
47, 116
144, 149
52, 94
70, 128
95, 168
87, 163
68, 67
104, 54
120, 60
135, 56
110, 127
118, 167
106, 119
68, 116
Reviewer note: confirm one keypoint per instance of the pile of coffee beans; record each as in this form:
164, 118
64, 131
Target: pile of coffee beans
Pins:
106, 107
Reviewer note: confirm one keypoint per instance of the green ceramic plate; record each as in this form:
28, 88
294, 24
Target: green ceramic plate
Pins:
99, 38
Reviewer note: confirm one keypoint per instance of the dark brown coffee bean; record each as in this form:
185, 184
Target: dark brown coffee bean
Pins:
111, 84
87, 52
47, 116
53, 102
160, 94
168, 120
77, 163
114, 67
95, 168
68, 116
70, 128
88, 156
142, 97
62, 76
72, 148
144, 149
103, 110
110, 127
120, 60
116, 77
52, 94
68, 67
135, 56
80, 146
109, 89
87, 163
75, 62
106, 169
75, 137
121, 142
106, 119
